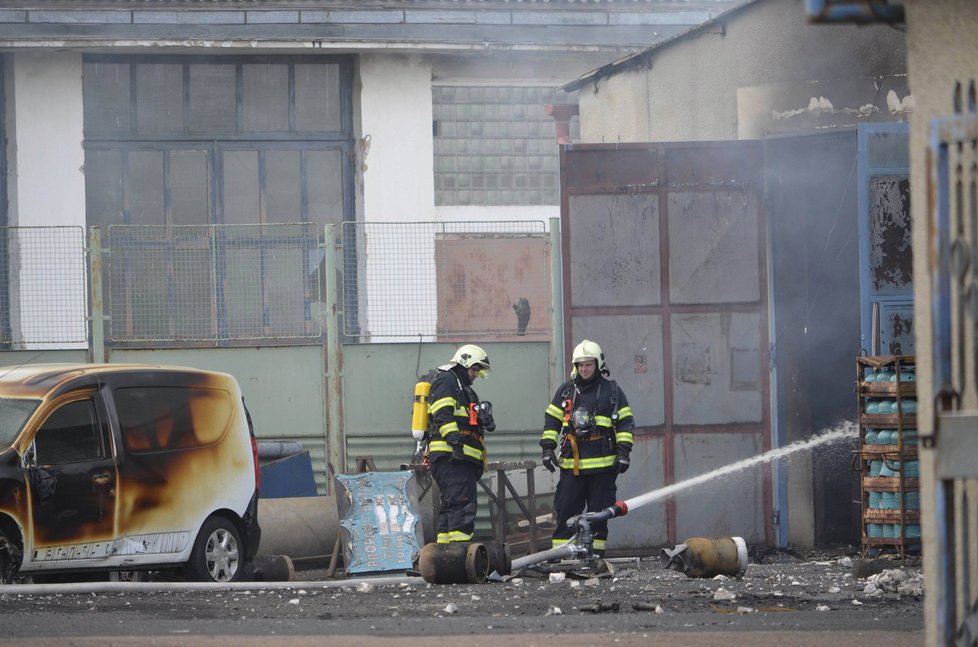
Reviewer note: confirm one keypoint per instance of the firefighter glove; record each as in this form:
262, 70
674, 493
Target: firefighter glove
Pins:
458, 453
623, 462
484, 416
550, 460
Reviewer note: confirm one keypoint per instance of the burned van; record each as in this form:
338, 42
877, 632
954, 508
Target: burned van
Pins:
125, 468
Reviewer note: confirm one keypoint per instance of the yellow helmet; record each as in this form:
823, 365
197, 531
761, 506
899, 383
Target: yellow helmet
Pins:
471, 355
588, 349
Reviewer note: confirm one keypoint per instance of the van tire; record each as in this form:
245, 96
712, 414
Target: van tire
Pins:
218, 553
6, 570
10, 556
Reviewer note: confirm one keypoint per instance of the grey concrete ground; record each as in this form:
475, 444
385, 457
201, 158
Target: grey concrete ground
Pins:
819, 600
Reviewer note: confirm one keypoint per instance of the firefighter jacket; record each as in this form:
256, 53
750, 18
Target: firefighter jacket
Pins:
610, 436
452, 421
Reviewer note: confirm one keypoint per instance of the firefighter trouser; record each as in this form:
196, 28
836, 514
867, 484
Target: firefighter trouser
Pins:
574, 493
457, 481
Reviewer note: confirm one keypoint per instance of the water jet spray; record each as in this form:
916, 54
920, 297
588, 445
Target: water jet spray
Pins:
580, 546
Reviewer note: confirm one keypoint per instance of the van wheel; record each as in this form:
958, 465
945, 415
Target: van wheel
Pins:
216, 556
9, 559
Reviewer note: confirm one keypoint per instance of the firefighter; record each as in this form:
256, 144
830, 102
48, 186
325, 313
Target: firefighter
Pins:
456, 452
590, 421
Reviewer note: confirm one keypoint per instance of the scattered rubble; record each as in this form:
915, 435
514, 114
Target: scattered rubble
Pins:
643, 593
723, 595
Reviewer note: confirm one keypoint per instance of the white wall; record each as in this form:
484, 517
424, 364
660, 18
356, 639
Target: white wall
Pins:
397, 175
395, 114
46, 182
46, 131
688, 89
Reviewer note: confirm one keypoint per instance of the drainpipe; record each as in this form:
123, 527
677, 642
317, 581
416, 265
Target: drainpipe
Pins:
562, 113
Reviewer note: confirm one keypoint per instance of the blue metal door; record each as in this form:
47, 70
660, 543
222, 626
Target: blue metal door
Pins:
886, 261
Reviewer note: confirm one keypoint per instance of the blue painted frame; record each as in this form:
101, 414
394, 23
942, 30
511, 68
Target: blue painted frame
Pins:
863, 11
866, 171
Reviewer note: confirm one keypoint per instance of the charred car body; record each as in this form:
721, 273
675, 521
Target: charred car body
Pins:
125, 468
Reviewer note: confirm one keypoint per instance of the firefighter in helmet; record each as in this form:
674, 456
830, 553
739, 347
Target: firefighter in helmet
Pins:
587, 433
458, 422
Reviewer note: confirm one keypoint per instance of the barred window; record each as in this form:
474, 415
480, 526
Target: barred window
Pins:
494, 145
214, 176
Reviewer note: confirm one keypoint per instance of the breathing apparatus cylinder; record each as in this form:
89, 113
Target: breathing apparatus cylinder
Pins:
419, 416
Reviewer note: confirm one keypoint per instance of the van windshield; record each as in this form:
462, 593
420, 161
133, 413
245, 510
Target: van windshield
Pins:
14, 412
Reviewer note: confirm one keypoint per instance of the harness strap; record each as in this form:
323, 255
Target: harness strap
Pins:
576, 454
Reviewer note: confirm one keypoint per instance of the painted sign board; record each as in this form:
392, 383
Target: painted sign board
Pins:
380, 528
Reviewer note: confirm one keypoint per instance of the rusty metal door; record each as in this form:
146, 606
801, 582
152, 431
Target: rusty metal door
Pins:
665, 266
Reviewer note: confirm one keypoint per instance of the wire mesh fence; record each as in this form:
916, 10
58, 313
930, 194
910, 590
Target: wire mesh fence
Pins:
227, 284
432, 280
43, 287
214, 283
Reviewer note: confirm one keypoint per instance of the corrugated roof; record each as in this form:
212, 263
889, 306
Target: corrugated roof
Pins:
611, 26
642, 58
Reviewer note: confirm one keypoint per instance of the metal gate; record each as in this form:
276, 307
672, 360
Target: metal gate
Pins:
665, 267
954, 246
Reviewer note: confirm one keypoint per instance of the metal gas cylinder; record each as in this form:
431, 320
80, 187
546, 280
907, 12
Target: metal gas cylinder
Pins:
704, 557
454, 563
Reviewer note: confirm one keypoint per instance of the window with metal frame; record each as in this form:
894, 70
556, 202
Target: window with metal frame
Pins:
187, 141
494, 145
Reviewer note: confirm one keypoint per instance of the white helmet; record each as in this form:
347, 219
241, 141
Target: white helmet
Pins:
588, 349
471, 355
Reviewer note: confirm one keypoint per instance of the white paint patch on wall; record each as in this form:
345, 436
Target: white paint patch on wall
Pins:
896, 104
398, 187
395, 112
47, 179
48, 134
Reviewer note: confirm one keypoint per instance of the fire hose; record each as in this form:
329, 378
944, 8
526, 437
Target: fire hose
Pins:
579, 546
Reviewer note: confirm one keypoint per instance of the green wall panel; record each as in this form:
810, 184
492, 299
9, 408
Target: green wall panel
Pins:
17, 357
379, 379
284, 387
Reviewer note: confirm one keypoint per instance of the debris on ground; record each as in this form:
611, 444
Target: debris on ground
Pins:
600, 607
723, 595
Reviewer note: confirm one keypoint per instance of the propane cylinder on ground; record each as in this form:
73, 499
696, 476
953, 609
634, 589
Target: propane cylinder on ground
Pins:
500, 557
454, 563
703, 557
419, 415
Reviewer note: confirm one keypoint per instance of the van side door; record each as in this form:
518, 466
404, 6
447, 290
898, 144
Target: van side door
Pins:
71, 477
